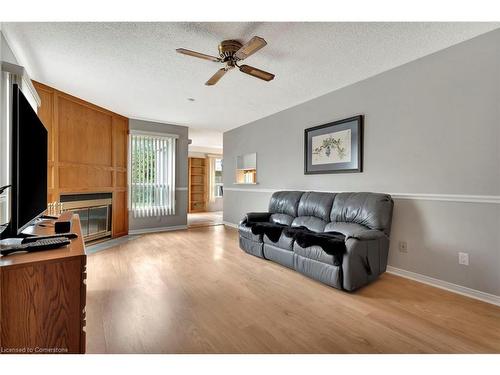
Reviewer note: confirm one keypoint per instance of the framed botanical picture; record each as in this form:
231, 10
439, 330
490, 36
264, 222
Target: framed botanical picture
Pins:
336, 147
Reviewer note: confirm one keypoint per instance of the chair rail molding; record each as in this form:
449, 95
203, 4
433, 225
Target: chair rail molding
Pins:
465, 198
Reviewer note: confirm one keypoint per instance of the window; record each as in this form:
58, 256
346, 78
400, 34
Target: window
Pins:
152, 174
218, 189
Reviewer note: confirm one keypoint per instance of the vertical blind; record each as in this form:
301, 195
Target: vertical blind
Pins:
152, 163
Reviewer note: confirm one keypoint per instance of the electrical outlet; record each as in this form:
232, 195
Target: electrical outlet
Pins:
463, 258
403, 247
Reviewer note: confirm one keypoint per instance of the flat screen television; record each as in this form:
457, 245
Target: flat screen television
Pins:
29, 164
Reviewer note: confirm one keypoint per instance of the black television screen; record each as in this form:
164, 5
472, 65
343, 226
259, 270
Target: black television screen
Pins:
29, 163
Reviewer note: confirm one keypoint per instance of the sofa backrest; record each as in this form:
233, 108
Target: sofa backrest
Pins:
372, 210
283, 206
314, 210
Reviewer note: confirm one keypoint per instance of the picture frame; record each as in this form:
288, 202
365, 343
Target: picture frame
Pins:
335, 147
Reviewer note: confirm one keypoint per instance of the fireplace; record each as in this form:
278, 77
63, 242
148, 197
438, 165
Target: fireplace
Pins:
94, 210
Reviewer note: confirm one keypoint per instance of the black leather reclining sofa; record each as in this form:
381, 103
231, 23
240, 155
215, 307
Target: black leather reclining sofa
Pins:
364, 219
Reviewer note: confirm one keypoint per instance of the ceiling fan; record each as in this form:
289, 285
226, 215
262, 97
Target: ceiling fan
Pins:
230, 53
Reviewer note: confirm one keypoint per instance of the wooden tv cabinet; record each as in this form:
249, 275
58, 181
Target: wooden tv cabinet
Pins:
42, 298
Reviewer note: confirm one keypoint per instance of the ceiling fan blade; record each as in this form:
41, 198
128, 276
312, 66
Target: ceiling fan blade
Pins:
197, 54
256, 72
215, 78
249, 48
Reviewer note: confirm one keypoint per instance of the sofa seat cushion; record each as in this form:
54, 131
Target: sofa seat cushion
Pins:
252, 247
313, 252
284, 242
246, 232
310, 222
325, 273
278, 255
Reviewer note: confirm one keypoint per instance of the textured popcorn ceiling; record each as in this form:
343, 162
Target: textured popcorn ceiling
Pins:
133, 69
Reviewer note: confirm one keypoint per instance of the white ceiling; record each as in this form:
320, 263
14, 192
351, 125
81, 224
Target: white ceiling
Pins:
205, 137
133, 69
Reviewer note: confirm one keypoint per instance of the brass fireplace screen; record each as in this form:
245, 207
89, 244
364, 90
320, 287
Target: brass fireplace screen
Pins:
94, 211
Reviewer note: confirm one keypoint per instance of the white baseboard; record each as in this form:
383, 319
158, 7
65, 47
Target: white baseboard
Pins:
468, 292
154, 230
227, 223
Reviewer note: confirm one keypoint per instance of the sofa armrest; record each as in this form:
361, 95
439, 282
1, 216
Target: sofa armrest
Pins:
256, 217
367, 234
365, 258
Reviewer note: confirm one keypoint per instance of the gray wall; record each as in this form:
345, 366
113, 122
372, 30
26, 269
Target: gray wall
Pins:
431, 126
5, 51
181, 177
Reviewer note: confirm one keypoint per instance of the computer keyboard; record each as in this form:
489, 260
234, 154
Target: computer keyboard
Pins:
48, 236
39, 245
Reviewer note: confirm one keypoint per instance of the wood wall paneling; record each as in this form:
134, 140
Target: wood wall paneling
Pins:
120, 142
88, 148
120, 214
120, 160
121, 179
50, 176
84, 135
45, 113
84, 178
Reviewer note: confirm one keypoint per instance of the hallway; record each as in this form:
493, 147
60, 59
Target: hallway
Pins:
204, 219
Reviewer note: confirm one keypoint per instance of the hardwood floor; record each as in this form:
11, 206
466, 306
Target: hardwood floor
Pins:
195, 291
